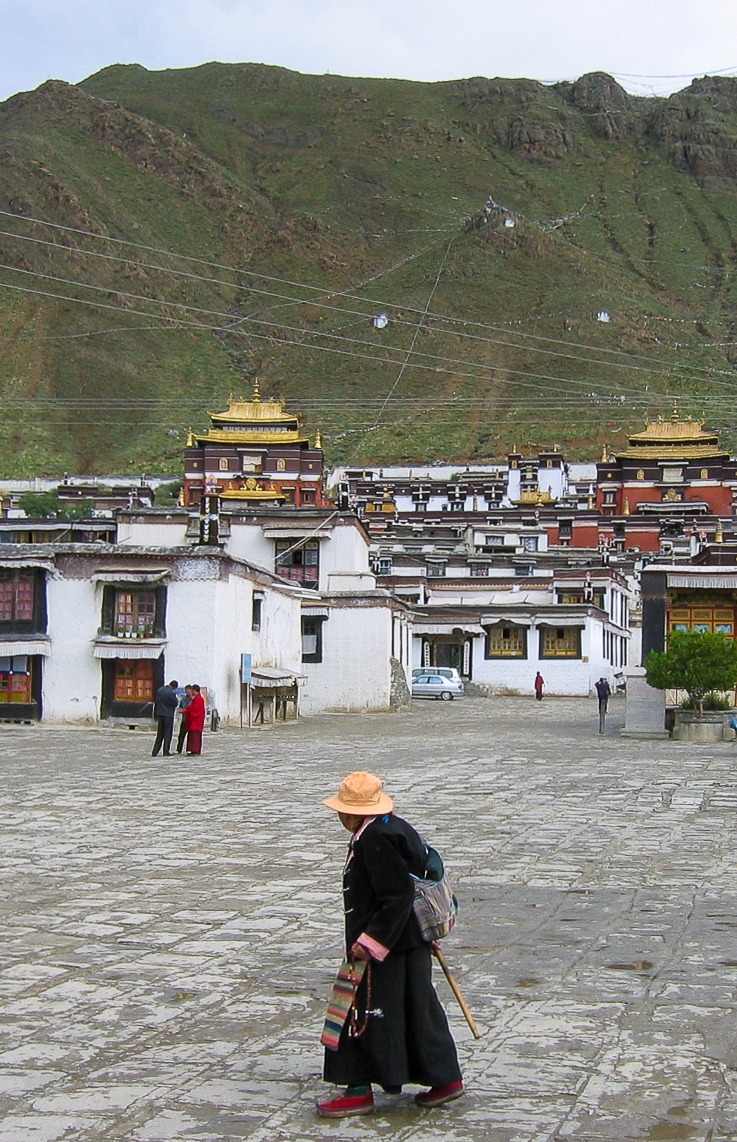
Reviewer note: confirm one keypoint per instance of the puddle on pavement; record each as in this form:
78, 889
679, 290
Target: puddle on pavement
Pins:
638, 965
670, 1132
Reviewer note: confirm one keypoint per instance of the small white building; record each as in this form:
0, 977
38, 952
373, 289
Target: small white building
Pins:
88, 632
574, 628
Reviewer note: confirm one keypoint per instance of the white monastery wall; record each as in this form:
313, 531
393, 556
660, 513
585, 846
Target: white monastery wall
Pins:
72, 676
152, 532
355, 671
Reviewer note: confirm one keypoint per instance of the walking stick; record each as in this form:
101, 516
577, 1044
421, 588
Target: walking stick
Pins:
436, 951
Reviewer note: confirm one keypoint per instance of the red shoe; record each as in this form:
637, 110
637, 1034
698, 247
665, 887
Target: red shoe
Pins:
344, 1106
437, 1095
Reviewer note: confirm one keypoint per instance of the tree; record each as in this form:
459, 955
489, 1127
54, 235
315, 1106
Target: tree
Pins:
168, 493
695, 661
47, 505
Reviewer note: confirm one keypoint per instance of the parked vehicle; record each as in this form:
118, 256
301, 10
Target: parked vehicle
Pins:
443, 671
437, 686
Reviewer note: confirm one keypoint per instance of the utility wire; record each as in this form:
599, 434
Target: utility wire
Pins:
430, 362
441, 360
423, 315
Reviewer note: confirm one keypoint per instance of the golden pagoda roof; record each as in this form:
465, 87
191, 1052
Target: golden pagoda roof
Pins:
252, 421
249, 436
534, 497
672, 439
253, 490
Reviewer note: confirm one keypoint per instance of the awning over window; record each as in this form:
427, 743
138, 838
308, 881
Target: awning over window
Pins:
708, 582
128, 647
29, 646
507, 619
446, 628
22, 564
295, 533
123, 578
563, 621
268, 677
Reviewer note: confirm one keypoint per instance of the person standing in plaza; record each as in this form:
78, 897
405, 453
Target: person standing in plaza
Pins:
539, 684
194, 716
397, 1031
603, 691
185, 702
165, 705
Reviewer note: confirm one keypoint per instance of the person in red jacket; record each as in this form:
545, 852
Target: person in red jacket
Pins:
195, 721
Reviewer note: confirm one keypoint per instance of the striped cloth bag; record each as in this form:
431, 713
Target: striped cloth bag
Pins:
341, 1001
435, 904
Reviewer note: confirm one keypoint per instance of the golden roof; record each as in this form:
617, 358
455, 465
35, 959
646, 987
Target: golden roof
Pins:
673, 438
535, 498
249, 436
253, 490
252, 421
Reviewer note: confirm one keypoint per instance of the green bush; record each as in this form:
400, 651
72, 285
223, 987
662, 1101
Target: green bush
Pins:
698, 662
712, 701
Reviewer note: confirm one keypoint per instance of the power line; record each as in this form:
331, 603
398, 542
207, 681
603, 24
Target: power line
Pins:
489, 371
345, 293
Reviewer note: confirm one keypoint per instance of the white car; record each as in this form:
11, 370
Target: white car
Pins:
437, 686
443, 671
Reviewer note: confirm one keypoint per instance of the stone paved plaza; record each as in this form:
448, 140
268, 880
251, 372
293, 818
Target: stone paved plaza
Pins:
171, 927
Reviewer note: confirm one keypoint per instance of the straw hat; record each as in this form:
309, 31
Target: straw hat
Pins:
362, 795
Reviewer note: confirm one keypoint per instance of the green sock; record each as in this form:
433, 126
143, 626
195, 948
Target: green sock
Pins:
358, 1091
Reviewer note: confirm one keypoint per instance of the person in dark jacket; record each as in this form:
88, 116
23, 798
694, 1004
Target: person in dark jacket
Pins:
185, 702
603, 693
398, 1031
165, 705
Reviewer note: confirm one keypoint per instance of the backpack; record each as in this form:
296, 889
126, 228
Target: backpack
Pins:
435, 904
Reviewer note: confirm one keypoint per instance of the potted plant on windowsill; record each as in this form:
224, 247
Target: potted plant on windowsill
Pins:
702, 664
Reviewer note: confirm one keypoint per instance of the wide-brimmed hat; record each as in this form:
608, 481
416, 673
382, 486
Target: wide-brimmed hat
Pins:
362, 795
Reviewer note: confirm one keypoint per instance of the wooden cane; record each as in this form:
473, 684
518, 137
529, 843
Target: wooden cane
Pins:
436, 951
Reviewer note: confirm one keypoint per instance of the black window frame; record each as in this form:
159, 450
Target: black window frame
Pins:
297, 567
318, 621
109, 607
38, 623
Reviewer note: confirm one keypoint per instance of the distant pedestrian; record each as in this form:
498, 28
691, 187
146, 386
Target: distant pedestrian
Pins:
185, 702
539, 684
195, 718
165, 705
604, 692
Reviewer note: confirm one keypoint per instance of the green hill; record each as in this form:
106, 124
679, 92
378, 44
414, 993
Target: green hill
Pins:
555, 263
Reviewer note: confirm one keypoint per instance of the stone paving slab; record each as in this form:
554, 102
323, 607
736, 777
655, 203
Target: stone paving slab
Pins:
171, 927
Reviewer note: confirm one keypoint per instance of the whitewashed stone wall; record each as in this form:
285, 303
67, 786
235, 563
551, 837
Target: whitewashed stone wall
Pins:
355, 672
72, 678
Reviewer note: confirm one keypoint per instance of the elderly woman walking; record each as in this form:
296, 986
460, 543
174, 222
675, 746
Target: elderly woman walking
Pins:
398, 1031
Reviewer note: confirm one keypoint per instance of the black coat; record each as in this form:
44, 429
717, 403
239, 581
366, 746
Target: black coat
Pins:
405, 1035
166, 702
378, 891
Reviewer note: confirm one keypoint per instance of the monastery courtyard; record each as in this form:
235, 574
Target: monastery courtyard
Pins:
171, 927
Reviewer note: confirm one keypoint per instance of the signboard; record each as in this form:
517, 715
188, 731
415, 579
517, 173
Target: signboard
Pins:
246, 669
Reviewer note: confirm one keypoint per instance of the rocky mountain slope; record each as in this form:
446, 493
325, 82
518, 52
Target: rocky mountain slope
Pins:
426, 271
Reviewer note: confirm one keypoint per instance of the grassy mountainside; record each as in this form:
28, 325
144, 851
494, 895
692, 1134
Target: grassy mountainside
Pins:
210, 225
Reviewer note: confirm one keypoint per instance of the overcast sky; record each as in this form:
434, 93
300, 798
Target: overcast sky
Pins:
651, 46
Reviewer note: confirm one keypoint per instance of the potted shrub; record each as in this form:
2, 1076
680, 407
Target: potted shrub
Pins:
702, 664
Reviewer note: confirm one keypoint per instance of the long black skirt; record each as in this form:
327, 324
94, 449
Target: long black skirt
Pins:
409, 1041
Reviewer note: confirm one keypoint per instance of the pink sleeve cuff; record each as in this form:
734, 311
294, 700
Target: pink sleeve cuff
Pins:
378, 951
